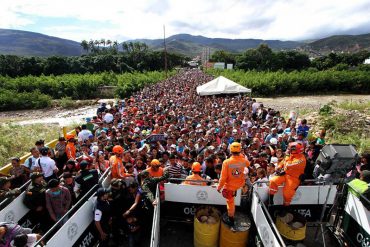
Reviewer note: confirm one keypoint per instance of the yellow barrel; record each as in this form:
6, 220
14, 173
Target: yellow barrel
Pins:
291, 226
236, 236
206, 233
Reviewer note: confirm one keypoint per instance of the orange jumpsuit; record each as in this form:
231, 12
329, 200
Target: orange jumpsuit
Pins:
155, 174
293, 166
194, 177
71, 150
232, 178
118, 170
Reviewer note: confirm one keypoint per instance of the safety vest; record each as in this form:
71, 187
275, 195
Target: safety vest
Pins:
294, 165
155, 174
357, 187
118, 170
194, 177
71, 150
232, 173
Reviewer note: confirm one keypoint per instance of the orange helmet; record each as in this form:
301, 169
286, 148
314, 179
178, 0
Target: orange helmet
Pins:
118, 149
196, 167
295, 148
155, 162
235, 147
70, 136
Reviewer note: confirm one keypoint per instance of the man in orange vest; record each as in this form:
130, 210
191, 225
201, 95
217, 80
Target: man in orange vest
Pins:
232, 178
196, 168
70, 147
289, 172
118, 169
155, 170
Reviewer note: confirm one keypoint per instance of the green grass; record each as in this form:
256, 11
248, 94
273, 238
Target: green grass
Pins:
355, 105
361, 141
16, 140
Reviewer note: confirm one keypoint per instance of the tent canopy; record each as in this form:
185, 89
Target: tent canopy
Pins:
221, 85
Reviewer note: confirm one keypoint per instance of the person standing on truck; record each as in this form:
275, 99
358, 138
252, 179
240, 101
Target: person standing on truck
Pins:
46, 165
30, 162
86, 180
232, 178
103, 217
58, 200
289, 172
196, 169
35, 200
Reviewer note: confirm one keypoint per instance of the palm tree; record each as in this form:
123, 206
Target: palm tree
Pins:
85, 45
109, 42
115, 45
102, 42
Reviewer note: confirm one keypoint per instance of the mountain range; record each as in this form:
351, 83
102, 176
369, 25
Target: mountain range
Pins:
24, 43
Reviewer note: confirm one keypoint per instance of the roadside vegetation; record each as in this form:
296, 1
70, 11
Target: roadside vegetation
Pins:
31, 92
345, 123
16, 140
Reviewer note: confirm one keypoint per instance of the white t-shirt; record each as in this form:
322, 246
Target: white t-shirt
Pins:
47, 165
31, 240
108, 118
31, 160
84, 135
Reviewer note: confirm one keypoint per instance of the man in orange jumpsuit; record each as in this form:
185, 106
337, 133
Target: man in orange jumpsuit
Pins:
232, 178
155, 170
289, 171
196, 168
118, 169
70, 147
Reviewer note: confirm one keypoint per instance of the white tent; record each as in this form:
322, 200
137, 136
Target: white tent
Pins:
221, 85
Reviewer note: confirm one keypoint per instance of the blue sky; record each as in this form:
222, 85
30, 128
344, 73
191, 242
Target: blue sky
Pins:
122, 19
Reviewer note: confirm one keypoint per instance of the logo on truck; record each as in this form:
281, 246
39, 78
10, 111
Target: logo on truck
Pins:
72, 231
202, 195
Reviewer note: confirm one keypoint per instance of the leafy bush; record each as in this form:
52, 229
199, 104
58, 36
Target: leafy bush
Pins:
299, 82
66, 102
12, 100
325, 110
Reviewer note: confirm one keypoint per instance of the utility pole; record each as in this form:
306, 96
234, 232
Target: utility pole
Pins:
165, 50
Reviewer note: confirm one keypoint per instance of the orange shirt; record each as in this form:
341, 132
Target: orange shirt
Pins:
194, 177
294, 165
232, 173
71, 150
118, 170
155, 174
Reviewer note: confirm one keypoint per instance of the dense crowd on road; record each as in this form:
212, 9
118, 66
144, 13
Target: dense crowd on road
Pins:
165, 131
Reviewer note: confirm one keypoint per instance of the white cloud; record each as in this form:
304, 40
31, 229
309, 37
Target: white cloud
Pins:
267, 19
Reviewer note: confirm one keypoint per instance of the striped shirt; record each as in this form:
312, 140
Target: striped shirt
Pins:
175, 171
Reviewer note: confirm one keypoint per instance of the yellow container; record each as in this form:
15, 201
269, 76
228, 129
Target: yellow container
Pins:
206, 234
236, 236
287, 231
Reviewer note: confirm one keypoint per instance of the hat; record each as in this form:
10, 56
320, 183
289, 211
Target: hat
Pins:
274, 160
173, 146
53, 183
88, 120
35, 175
257, 165
84, 164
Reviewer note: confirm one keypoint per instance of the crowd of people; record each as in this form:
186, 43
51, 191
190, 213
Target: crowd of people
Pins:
164, 131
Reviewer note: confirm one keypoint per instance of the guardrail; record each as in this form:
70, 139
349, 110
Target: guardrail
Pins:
73, 210
154, 241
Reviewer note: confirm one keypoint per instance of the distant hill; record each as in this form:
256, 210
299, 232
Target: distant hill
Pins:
23, 43
339, 43
193, 45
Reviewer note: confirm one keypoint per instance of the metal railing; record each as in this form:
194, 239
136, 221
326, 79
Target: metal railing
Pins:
154, 240
7, 201
72, 210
